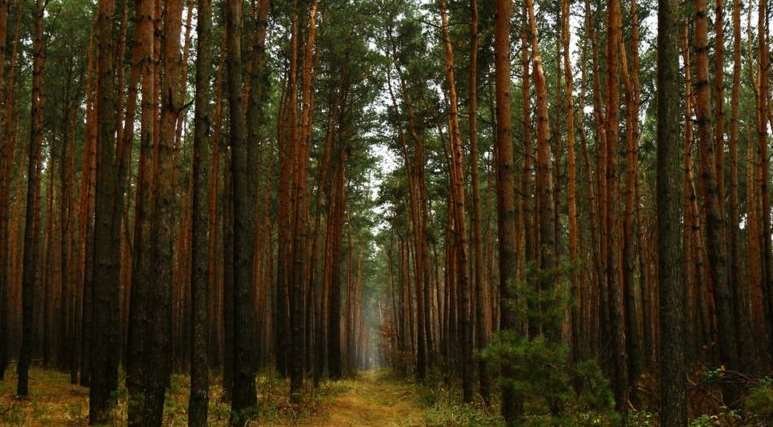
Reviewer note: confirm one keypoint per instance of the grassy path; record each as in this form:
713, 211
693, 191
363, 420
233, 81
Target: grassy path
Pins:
371, 399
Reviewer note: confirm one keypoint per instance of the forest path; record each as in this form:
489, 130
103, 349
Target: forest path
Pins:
372, 399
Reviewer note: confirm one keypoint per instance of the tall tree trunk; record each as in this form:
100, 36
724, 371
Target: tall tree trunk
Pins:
741, 314
574, 243
526, 232
673, 372
457, 188
84, 325
719, 102
48, 287
694, 272
300, 226
126, 141
199, 395
550, 327
717, 259
215, 241
5, 184
106, 335
157, 352
288, 129
226, 308
31, 218
482, 327
762, 141
244, 398
142, 262
617, 314
633, 338
324, 198
505, 198
333, 265
600, 118
67, 156
256, 118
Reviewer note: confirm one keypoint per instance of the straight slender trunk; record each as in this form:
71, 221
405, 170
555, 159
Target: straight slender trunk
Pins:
48, 287
106, 330
505, 198
571, 161
157, 352
333, 266
482, 327
199, 395
142, 263
633, 338
762, 141
617, 313
227, 305
673, 372
126, 141
244, 397
256, 118
300, 210
458, 208
215, 231
288, 129
718, 104
741, 314
31, 218
5, 183
324, 198
717, 260
414, 167
550, 327
88, 184
600, 118
67, 157
526, 232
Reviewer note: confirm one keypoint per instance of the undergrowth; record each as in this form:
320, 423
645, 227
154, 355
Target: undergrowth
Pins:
54, 401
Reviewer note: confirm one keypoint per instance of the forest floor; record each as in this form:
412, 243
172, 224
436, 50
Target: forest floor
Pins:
372, 398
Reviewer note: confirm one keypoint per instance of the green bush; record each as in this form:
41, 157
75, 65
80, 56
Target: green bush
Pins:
759, 402
443, 408
541, 373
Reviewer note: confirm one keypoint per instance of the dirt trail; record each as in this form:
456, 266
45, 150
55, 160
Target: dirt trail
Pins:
372, 399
